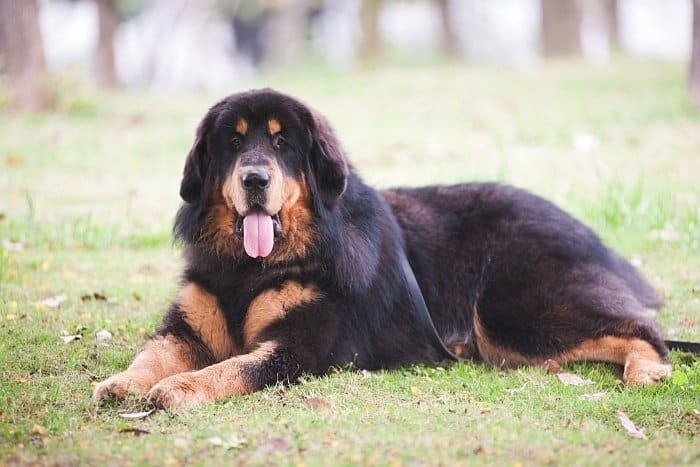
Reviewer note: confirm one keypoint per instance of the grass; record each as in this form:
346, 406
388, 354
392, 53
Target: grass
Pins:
88, 196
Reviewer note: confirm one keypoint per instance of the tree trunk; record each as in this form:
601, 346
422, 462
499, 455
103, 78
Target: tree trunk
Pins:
285, 31
560, 30
695, 57
371, 43
108, 20
613, 23
24, 54
450, 42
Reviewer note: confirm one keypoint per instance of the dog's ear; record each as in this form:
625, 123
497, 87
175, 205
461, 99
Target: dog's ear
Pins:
195, 167
328, 165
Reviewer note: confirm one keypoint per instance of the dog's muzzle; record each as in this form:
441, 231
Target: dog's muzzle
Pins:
255, 180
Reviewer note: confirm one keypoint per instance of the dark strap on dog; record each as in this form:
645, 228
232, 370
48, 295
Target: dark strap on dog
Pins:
423, 314
427, 324
692, 347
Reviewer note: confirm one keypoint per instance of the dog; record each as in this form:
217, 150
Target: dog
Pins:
293, 266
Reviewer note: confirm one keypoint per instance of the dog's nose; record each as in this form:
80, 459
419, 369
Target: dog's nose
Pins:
255, 180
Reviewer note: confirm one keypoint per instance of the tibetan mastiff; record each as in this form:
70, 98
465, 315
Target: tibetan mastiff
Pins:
293, 266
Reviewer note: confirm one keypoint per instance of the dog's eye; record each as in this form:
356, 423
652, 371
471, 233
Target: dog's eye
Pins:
278, 142
236, 142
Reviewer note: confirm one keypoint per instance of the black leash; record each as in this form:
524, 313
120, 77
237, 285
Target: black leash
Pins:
692, 347
427, 323
423, 314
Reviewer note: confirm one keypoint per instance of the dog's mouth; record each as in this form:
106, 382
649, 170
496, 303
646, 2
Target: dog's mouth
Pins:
259, 231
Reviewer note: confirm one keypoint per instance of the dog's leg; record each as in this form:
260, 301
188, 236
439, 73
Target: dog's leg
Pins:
160, 357
642, 364
267, 364
203, 338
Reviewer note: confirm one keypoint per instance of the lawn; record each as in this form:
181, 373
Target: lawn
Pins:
87, 198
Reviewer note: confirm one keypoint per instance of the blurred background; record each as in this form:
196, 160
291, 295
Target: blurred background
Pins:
590, 103
223, 44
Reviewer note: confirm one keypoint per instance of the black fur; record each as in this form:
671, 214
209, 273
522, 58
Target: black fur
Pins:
541, 281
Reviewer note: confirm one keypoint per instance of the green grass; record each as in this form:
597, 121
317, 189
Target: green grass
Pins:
91, 192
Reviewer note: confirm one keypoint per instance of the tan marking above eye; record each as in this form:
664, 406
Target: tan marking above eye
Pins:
273, 126
241, 126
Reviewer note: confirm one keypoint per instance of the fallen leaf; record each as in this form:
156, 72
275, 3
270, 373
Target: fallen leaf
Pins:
485, 410
596, 396
479, 450
273, 445
232, 442
52, 302
13, 246
573, 380
216, 441
609, 448
14, 160
93, 296
552, 367
38, 429
148, 269
103, 335
629, 426
416, 391
136, 415
136, 431
69, 339
584, 141
316, 403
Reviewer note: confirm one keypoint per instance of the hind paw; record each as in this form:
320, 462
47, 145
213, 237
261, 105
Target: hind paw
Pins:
643, 372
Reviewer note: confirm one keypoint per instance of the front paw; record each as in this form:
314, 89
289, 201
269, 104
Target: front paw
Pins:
184, 390
121, 384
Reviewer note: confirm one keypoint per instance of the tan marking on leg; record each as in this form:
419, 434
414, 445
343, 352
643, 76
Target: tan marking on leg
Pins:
221, 380
273, 126
642, 364
492, 353
272, 305
201, 311
460, 349
160, 357
241, 126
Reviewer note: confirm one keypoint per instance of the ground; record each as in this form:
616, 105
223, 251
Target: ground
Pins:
88, 194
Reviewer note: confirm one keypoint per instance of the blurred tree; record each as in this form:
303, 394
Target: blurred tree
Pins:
371, 42
450, 42
560, 29
285, 31
695, 57
24, 54
271, 32
613, 21
108, 21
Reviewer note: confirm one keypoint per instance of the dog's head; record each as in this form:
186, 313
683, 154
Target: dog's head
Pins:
262, 165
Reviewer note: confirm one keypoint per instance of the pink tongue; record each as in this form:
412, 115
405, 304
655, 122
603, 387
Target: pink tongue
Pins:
258, 234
